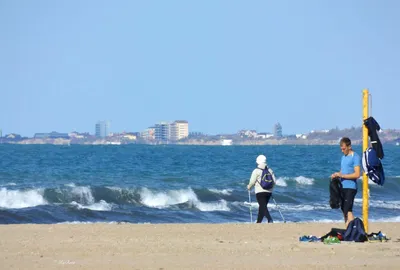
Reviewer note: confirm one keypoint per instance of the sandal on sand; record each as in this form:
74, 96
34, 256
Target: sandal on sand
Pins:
310, 238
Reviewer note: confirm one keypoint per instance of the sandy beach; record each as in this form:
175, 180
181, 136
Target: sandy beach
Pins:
190, 246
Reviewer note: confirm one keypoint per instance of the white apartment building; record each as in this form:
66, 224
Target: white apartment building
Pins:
179, 130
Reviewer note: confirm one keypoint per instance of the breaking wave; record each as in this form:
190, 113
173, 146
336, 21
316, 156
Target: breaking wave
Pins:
177, 197
300, 180
99, 206
21, 198
223, 191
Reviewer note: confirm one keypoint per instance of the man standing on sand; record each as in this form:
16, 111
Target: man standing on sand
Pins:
349, 173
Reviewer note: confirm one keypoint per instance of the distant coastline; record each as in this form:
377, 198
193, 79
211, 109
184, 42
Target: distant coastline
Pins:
249, 137
186, 142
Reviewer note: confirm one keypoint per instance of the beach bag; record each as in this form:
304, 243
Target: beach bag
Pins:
267, 181
355, 231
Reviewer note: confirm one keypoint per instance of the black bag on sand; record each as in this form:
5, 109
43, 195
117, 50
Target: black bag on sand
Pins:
335, 232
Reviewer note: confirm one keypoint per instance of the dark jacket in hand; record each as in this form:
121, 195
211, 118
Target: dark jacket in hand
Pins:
335, 189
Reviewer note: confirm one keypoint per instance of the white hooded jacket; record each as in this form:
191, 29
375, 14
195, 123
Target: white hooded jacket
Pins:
257, 173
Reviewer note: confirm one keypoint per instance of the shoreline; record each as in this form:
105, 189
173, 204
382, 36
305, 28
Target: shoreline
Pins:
191, 246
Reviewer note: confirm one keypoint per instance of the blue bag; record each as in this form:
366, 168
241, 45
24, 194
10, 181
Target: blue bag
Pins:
355, 231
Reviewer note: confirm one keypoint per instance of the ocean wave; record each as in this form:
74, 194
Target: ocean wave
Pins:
379, 203
370, 182
221, 205
83, 193
300, 180
21, 198
222, 192
8, 184
89, 222
324, 220
99, 206
385, 204
392, 219
281, 182
169, 198
304, 180
289, 207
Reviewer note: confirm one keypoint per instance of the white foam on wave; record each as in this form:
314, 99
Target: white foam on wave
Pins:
370, 182
222, 205
99, 206
8, 184
323, 221
118, 189
174, 197
385, 204
70, 185
84, 194
89, 222
21, 198
281, 182
83, 199
300, 208
392, 219
223, 191
304, 180
165, 199
301, 180
289, 207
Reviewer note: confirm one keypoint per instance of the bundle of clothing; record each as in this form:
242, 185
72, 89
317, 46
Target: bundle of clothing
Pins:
372, 157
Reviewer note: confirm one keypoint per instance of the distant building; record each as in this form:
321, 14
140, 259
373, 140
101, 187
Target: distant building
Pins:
149, 134
132, 136
179, 130
163, 131
278, 130
264, 135
77, 135
196, 134
248, 133
51, 135
226, 142
13, 136
102, 129
301, 136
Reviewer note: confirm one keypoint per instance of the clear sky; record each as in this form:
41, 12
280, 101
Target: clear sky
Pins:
221, 65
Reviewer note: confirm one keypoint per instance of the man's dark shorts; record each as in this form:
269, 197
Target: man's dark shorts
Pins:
348, 196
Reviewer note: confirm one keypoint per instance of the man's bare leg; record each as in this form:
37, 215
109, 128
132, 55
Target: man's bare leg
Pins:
350, 217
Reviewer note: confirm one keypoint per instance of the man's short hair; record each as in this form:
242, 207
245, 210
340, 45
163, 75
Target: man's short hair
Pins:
345, 141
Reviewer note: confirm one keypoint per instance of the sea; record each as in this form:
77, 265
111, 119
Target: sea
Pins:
49, 184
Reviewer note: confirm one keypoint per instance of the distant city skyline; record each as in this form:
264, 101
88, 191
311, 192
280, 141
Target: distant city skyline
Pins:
162, 131
222, 65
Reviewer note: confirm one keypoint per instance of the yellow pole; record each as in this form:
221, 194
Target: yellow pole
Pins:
365, 146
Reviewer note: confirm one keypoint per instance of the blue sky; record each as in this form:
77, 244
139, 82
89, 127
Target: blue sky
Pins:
221, 65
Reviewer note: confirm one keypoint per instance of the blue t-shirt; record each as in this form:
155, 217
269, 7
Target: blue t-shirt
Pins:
347, 167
